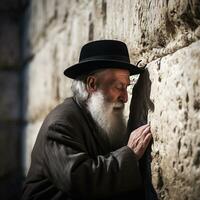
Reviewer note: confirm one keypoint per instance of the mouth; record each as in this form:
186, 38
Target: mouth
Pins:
118, 107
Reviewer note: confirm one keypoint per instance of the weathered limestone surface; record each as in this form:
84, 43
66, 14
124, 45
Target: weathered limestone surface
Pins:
44, 86
150, 28
56, 30
175, 121
164, 34
66, 26
168, 97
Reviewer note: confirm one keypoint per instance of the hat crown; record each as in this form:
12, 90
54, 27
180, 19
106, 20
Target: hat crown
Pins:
104, 49
102, 54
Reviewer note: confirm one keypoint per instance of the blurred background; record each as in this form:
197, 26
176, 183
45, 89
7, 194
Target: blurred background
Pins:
40, 38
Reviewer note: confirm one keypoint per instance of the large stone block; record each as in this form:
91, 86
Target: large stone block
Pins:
166, 27
40, 84
168, 97
10, 99
153, 28
44, 21
44, 82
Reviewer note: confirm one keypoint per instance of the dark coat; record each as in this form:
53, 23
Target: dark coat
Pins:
71, 160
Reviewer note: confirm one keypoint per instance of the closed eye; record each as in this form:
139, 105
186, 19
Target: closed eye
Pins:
121, 86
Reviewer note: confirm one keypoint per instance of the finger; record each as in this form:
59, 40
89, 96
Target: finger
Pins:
137, 132
143, 127
146, 131
147, 139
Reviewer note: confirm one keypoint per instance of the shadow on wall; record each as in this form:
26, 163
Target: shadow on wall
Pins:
140, 104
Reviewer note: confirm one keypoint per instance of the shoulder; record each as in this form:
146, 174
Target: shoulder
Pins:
68, 111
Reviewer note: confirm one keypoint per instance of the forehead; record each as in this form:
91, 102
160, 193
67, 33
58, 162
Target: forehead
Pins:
115, 75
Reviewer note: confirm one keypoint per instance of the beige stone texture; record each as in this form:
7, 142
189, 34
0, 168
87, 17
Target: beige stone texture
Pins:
168, 97
175, 121
62, 28
150, 28
43, 79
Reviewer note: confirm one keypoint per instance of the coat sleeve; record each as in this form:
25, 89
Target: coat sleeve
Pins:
72, 170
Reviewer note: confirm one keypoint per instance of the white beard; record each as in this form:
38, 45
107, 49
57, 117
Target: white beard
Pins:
109, 117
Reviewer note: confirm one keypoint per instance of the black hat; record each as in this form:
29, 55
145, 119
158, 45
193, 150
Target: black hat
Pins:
102, 54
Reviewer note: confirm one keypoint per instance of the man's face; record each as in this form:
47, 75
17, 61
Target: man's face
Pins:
108, 93
113, 84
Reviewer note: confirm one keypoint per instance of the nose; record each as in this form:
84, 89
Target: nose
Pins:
124, 96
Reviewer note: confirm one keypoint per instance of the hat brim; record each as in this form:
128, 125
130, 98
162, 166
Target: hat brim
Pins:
86, 67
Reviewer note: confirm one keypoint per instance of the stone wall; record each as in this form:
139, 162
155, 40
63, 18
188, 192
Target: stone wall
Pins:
167, 96
163, 34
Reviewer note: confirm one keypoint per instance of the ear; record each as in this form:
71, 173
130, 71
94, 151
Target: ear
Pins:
91, 84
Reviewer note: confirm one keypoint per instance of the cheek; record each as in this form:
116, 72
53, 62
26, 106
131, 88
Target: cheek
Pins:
111, 95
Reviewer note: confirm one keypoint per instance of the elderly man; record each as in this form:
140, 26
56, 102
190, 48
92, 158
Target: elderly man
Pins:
83, 150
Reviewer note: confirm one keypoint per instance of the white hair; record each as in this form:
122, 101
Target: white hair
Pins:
79, 90
79, 85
